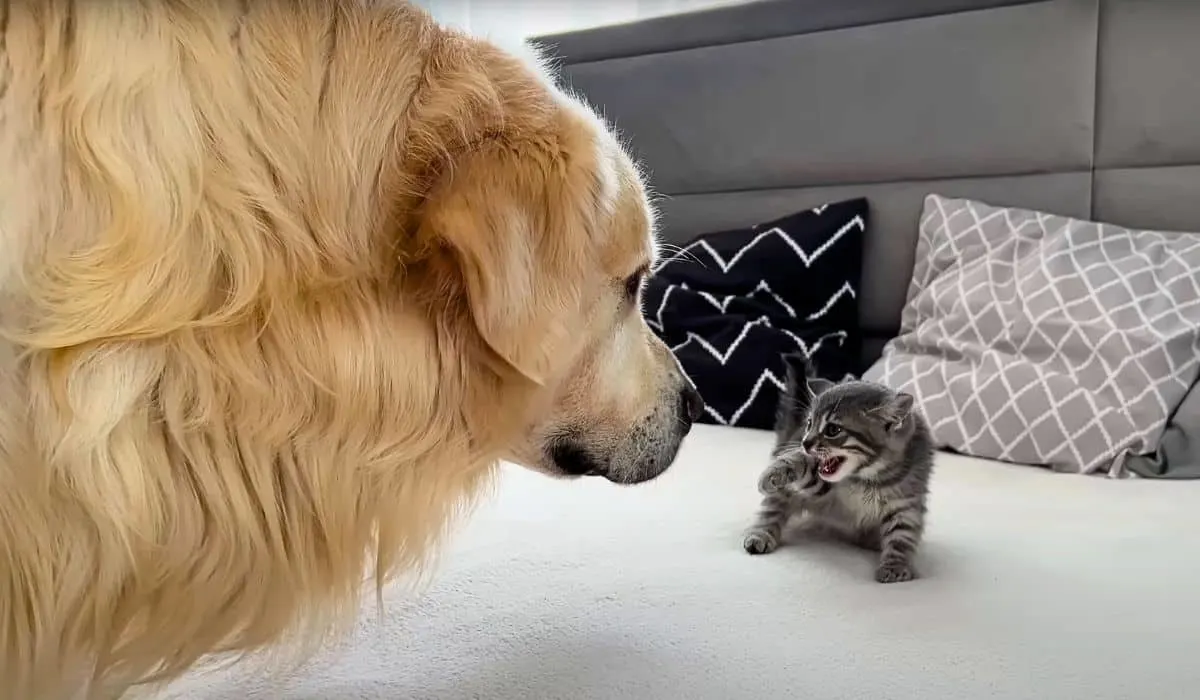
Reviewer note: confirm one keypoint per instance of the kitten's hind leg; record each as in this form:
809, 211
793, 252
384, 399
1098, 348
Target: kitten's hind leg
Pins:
764, 535
899, 534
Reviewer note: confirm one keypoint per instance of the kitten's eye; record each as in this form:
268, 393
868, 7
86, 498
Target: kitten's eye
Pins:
831, 430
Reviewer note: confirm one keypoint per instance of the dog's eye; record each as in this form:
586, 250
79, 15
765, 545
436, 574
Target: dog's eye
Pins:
633, 283
831, 430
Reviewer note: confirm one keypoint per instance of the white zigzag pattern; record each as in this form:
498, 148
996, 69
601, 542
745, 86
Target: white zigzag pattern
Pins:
766, 376
808, 352
841, 292
723, 303
806, 258
763, 378
723, 357
657, 322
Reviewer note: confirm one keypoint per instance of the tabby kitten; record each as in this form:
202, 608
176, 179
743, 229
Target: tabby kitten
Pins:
856, 458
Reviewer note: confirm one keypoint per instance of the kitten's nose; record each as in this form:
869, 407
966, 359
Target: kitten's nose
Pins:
808, 444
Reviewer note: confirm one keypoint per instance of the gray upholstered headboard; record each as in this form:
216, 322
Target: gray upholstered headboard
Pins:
1088, 108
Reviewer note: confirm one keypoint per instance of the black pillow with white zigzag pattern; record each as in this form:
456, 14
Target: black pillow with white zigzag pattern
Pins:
730, 304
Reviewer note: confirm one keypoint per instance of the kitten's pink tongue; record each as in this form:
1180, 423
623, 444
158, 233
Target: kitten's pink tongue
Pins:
829, 465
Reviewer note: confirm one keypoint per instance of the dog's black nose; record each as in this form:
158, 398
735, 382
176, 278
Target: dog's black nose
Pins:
692, 403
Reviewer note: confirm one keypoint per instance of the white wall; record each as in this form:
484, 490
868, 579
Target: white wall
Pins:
517, 19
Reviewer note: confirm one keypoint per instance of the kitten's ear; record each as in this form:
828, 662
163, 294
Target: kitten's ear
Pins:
898, 409
802, 376
798, 372
796, 398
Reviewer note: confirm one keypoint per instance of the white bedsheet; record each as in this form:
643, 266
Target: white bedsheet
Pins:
1035, 586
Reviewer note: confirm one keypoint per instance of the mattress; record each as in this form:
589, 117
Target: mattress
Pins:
1034, 585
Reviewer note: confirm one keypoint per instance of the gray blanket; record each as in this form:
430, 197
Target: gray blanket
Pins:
1178, 454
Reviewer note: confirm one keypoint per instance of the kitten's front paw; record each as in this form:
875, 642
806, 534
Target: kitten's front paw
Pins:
894, 572
760, 542
775, 478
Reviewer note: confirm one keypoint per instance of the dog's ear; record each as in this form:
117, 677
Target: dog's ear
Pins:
517, 226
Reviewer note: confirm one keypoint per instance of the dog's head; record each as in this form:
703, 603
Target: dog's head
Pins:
549, 234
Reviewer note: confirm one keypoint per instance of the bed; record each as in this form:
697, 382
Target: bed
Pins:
1034, 584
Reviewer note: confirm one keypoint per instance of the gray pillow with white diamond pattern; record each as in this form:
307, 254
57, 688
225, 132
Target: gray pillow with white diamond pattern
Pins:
1040, 339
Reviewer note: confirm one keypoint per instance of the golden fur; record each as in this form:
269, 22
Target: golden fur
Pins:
280, 283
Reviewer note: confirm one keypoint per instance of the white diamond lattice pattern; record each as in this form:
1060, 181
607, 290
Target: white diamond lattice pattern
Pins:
1041, 339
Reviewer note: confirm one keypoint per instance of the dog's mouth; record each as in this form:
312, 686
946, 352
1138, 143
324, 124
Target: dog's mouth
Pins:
568, 458
830, 465
572, 460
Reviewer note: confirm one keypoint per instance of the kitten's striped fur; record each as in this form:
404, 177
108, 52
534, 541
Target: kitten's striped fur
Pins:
854, 456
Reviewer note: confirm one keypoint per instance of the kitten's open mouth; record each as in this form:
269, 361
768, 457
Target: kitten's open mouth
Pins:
830, 464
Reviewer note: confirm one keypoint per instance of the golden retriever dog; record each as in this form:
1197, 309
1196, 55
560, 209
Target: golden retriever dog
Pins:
280, 284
